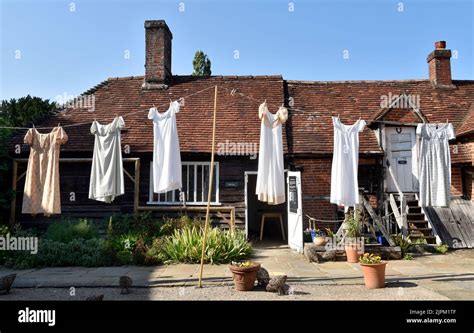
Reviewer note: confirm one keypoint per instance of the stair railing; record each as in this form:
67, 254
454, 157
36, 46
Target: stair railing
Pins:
400, 213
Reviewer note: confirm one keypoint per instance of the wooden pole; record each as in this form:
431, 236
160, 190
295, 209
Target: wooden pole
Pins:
209, 193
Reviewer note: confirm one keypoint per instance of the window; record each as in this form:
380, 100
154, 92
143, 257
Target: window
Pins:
195, 186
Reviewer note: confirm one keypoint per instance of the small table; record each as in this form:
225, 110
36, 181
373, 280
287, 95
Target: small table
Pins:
272, 215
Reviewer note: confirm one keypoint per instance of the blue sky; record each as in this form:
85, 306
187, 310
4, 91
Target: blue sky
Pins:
47, 49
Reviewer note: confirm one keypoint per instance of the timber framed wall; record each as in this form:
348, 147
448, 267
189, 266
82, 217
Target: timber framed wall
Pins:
15, 178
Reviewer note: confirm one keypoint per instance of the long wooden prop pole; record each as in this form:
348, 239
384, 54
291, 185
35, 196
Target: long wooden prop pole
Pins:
209, 193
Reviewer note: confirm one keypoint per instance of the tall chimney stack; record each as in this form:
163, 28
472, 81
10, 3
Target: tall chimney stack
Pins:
158, 54
439, 65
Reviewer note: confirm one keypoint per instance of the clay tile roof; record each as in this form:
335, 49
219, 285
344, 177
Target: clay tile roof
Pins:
237, 117
312, 130
467, 126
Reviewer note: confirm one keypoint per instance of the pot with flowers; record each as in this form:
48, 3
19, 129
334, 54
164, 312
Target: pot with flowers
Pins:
374, 270
353, 242
318, 237
244, 274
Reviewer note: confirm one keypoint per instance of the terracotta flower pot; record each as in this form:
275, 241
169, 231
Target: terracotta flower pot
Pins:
319, 241
352, 253
374, 275
244, 277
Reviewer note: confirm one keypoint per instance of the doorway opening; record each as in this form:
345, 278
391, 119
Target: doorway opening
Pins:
273, 217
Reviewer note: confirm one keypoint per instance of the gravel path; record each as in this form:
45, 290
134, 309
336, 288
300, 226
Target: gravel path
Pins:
298, 292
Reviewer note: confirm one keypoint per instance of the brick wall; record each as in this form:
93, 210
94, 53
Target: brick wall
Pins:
316, 189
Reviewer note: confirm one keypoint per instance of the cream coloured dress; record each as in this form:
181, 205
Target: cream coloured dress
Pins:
270, 176
41, 194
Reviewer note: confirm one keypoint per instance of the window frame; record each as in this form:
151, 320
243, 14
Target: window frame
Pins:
175, 201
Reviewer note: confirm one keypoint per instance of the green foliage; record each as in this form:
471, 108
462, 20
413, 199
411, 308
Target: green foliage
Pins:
221, 246
407, 256
170, 225
404, 243
154, 253
441, 249
87, 253
201, 64
370, 258
123, 247
353, 225
66, 231
141, 223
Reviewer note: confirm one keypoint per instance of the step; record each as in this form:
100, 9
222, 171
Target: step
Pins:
414, 210
415, 216
429, 239
418, 231
417, 222
412, 203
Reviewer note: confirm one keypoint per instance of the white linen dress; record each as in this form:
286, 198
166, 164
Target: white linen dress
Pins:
106, 181
345, 161
166, 153
435, 164
270, 176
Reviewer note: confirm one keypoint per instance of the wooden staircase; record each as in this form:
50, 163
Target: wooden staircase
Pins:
418, 227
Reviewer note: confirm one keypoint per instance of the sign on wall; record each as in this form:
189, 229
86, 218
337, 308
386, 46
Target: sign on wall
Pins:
293, 194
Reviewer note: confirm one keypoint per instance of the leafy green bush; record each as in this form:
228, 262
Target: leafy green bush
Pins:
221, 246
67, 231
141, 223
404, 243
154, 253
78, 252
442, 249
170, 225
123, 247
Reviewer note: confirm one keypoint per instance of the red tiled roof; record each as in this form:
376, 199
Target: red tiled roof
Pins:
312, 130
237, 117
467, 127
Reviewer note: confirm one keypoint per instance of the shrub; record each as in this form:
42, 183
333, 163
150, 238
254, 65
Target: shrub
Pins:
67, 231
442, 249
123, 247
154, 253
170, 225
141, 223
88, 253
221, 246
404, 243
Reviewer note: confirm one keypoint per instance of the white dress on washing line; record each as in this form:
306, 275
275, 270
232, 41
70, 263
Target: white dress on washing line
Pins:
166, 153
345, 161
435, 164
106, 181
270, 176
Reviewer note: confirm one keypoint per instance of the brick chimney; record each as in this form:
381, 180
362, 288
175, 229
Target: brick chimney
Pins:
158, 54
439, 65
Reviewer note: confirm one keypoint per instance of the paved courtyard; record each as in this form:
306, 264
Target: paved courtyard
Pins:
449, 276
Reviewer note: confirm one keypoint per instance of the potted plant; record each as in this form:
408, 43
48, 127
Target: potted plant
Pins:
374, 270
352, 237
244, 274
319, 238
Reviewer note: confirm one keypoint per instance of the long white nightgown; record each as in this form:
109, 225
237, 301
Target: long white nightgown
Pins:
345, 161
435, 163
106, 181
270, 176
166, 153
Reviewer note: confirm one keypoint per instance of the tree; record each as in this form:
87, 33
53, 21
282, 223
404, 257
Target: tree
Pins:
201, 64
22, 112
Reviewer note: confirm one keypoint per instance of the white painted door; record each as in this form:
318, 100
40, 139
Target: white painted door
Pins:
295, 211
401, 158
